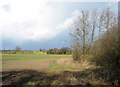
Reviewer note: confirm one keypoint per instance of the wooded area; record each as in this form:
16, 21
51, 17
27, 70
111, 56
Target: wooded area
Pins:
95, 34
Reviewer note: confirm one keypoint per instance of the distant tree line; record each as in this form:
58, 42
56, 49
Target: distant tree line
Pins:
64, 50
18, 50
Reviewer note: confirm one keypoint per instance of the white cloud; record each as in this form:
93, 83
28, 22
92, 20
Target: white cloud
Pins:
86, 0
29, 20
66, 24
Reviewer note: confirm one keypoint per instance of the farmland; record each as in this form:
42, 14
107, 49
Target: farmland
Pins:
28, 69
28, 61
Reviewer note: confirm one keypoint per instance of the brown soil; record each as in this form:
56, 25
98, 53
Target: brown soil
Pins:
38, 65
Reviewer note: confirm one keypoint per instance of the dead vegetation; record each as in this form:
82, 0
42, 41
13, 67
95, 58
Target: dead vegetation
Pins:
31, 77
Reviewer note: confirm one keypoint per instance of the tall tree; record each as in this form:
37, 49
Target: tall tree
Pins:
100, 23
87, 25
93, 25
80, 32
110, 19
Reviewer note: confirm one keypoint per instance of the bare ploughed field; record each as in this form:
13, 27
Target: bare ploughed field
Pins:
48, 70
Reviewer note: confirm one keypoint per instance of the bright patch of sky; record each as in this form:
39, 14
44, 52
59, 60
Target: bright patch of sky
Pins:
34, 24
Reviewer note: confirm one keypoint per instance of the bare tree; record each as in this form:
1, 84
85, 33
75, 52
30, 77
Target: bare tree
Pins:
80, 32
110, 19
87, 25
100, 23
93, 26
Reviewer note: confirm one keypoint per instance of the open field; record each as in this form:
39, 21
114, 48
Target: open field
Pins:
48, 70
28, 61
23, 52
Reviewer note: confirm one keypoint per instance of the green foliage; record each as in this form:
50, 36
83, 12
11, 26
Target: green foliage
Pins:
64, 50
40, 49
17, 57
22, 52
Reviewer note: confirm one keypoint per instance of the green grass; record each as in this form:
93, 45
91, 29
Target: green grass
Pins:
11, 57
24, 53
39, 53
54, 67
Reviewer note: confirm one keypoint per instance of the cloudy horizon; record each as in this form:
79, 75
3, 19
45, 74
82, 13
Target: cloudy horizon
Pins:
32, 24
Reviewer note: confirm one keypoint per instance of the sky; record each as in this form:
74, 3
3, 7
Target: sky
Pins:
35, 24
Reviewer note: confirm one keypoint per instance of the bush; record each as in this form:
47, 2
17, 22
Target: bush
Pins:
107, 53
76, 54
108, 49
14, 52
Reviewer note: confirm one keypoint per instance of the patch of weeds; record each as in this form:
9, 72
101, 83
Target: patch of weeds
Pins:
83, 75
73, 78
54, 67
40, 83
69, 81
73, 68
45, 82
58, 82
32, 83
